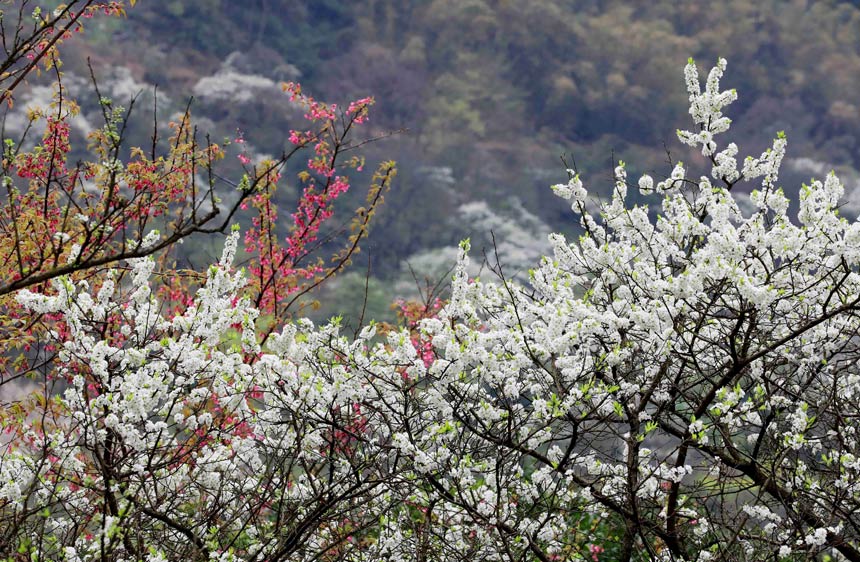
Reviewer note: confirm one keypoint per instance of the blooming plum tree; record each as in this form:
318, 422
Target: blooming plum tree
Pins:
690, 375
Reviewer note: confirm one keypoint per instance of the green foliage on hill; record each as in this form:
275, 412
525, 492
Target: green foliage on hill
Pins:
497, 90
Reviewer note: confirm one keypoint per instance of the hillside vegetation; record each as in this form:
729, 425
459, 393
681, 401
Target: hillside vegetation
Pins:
484, 97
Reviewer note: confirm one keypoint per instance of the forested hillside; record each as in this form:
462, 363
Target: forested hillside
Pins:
483, 98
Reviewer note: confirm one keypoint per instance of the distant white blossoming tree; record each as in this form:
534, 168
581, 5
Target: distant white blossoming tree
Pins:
680, 386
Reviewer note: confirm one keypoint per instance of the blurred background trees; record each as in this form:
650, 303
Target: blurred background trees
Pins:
486, 95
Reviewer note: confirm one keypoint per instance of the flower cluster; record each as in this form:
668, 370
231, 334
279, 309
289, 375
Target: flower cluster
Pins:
323, 182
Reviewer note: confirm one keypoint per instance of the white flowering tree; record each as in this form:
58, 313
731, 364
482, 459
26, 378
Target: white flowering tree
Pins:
673, 386
690, 375
180, 439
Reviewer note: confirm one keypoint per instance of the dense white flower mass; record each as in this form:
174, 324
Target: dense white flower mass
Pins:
195, 444
671, 386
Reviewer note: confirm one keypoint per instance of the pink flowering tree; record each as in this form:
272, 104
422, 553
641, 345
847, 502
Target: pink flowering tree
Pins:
286, 270
61, 218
